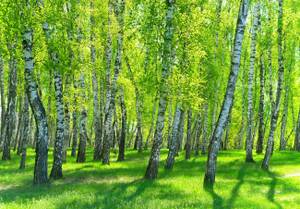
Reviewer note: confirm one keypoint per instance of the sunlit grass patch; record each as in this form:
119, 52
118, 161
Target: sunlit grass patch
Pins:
121, 184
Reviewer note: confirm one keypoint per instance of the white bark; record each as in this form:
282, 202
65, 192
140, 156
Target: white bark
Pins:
273, 125
174, 141
110, 103
152, 168
250, 115
297, 136
41, 159
228, 99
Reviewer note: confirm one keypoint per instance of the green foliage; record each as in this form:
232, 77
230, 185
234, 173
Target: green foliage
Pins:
202, 45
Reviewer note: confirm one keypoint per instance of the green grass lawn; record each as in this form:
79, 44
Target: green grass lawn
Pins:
120, 185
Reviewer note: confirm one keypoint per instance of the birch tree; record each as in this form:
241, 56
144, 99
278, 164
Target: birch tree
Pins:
275, 112
152, 168
250, 116
214, 145
110, 103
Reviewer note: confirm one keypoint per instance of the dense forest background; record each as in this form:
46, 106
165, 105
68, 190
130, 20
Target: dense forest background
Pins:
115, 75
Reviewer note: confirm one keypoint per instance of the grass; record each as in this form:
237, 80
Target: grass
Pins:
120, 185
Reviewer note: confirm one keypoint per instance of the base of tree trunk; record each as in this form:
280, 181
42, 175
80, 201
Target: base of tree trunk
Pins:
97, 158
80, 158
64, 156
282, 148
209, 181
6, 154
152, 170
188, 153
250, 160
22, 164
259, 151
40, 179
5, 157
120, 159
169, 164
73, 153
97, 153
56, 174
105, 161
265, 167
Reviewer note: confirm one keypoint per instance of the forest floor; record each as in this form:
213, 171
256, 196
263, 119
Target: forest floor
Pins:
120, 185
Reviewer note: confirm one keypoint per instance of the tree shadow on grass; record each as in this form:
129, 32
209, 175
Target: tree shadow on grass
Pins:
124, 195
141, 186
271, 192
106, 192
217, 200
113, 186
236, 188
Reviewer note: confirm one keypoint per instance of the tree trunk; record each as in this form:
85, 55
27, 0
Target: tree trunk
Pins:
97, 120
283, 138
132, 134
82, 126
68, 82
228, 99
41, 158
240, 137
228, 123
2, 90
194, 131
108, 59
139, 134
56, 172
180, 132
297, 136
170, 106
67, 121
17, 140
250, 115
197, 135
25, 132
82, 137
108, 115
74, 121
270, 79
217, 83
174, 141
138, 104
273, 125
116, 133
226, 140
10, 118
110, 104
150, 134
96, 113
152, 168
51, 122
74, 133
205, 130
261, 111
32, 130
188, 136
123, 129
